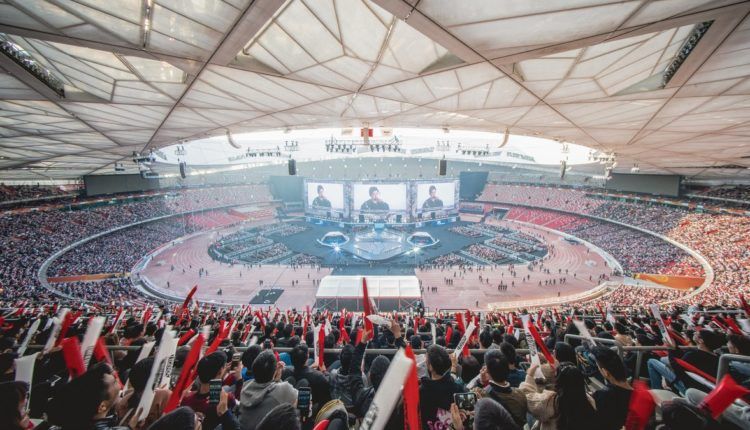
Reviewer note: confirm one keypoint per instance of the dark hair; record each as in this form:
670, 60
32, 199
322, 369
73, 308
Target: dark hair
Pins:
283, 416
509, 351
11, 395
210, 365
497, 336
345, 357
485, 339
299, 356
264, 366
416, 341
469, 368
438, 359
712, 339
573, 407
138, 378
320, 187
372, 190
742, 343
76, 404
497, 364
432, 188
565, 353
249, 356
621, 328
610, 361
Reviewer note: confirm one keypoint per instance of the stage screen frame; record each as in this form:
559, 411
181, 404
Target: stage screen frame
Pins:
334, 191
394, 194
446, 191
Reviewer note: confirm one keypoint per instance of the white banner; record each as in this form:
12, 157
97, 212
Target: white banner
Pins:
93, 331
25, 372
56, 327
379, 320
581, 326
464, 338
145, 350
660, 322
388, 394
163, 363
34, 327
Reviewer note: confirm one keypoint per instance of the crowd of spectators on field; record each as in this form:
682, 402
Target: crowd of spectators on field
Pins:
487, 253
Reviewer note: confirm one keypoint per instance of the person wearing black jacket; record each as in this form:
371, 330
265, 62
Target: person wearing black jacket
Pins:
319, 387
611, 401
436, 391
362, 395
702, 358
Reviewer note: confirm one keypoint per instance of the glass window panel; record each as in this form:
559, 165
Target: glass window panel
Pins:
307, 31
129, 31
476, 74
502, 93
412, 49
50, 13
442, 84
181, 28
154, 70
285, 49
549, 28
383, 75
212, 13
260, 54
138, 90
163, 43
543, 68
324, 11
446, 13
324, 76
473, 98
129, 10
12, 16
365, 44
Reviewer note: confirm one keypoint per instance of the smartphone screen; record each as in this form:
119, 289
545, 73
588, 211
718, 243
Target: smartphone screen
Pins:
303, 400
465, 401
214, 391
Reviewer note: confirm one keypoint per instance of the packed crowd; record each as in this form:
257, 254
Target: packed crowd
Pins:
247, 369
487, 253
625, 296
119, 251
735, 192
118, 290
23, 192
29, 238
720, 238
466, 231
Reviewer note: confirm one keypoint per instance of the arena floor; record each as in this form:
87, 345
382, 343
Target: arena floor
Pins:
240, 284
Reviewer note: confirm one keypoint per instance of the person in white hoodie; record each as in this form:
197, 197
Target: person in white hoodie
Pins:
265, 392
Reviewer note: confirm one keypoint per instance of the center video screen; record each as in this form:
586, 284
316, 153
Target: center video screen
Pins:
325, 196
434, 196
376, 197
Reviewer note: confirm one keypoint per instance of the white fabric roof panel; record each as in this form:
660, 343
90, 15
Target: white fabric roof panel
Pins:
137, 78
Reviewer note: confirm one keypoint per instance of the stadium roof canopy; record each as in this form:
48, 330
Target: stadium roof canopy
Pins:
661, 83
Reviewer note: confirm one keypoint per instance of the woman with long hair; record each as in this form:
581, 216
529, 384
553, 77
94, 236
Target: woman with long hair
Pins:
566, 407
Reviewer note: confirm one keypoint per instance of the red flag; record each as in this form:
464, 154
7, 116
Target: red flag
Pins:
100, 351
367, 305
184, 307
460, 322
733, 326
321, 344
117, 320
183, 382
67, 321
146, 315
641, 407
690, 368
722, 396
412, 420
71, 350
344, 335
745, 306
448, 335
221, 334
185, 337
541, 345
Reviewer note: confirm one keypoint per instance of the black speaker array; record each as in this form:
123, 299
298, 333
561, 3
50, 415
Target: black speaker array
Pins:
183, 169
292, 167
443, 167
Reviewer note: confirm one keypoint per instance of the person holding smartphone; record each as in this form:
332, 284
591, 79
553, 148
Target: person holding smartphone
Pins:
265, 392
